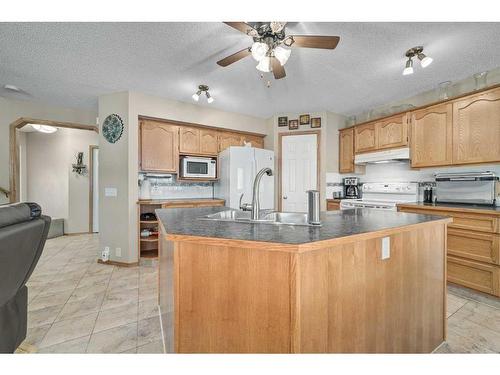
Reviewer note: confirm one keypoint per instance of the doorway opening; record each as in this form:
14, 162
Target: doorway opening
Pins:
299, 166
54, 164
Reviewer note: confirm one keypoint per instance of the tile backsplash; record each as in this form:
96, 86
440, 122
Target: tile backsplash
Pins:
167, 187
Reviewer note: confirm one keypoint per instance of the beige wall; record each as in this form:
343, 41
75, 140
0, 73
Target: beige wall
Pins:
330, 123
119, 162
47, 177
11, 110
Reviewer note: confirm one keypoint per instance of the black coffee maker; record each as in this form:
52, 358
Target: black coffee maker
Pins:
351, 190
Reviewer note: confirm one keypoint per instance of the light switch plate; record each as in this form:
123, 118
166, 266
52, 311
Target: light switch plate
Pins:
110, 192
386, 248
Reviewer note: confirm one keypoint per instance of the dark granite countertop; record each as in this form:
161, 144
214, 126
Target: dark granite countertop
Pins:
457, 207
335, 224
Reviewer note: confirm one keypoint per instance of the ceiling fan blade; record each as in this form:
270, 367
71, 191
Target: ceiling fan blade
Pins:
278, 69
245, 28
313, 41
234, 57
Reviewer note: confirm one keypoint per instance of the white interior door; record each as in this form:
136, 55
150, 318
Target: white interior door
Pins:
299, 174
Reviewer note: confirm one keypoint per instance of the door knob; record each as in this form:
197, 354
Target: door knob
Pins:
285, 197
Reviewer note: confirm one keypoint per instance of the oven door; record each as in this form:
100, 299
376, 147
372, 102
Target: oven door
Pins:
198, 168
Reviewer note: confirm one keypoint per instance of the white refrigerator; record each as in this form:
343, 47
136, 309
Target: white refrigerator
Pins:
237, 169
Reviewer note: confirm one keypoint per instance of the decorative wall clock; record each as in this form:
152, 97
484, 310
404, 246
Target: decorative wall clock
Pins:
112, 128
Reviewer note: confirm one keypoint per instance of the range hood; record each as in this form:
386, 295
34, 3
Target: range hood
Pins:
387, 156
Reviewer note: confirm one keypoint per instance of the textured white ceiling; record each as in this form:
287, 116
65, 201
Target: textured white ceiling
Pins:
71, 64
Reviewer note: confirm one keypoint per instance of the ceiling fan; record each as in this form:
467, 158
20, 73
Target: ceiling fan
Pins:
269, 45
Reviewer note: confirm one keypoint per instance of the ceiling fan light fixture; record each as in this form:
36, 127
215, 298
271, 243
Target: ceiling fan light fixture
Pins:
282, 54
408, 68
259, 50
425, 61
44, 128
264, 65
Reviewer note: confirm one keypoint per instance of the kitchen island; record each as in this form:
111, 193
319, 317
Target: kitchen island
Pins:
366, 281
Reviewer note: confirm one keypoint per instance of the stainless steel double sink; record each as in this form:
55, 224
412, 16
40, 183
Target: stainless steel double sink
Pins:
266, 217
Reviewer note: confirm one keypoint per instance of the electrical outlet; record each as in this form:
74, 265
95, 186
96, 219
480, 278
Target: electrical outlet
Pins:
118, 252
386, 248
105, 254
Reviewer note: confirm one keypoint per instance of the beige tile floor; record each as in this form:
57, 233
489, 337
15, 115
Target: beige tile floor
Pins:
79, 306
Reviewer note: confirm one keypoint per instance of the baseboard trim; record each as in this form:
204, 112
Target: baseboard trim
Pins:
119, 264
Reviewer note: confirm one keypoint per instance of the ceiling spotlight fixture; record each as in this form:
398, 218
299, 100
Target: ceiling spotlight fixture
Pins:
418, 51
408, 68
44, 128
203, 89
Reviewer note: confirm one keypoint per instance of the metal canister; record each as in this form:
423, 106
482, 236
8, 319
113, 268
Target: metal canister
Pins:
313, 207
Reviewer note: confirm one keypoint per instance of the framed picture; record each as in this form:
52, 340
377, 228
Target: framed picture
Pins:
304, 119
316, 122
283, 121
293, 124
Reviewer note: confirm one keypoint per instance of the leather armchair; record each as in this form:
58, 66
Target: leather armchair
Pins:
23, 231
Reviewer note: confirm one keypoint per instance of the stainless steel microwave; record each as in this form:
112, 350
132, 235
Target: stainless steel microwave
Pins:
198, 167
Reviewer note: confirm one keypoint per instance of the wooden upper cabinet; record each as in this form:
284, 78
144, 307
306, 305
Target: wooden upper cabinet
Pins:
159, 146
255, 140
346, 151
431, 136
476, 128
365, 138
189, 140
209, 141
227, 139
392, 132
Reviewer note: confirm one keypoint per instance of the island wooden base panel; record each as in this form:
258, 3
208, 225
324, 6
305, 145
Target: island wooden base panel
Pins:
340, 299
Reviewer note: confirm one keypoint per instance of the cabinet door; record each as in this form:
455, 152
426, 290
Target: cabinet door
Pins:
346, 151
392, 132
256, 141
189, 140
159, 146
365, 138
209, 142
476, 128
431, 136
227, 139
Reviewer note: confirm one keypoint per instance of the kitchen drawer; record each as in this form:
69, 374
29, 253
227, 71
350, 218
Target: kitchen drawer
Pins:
462, 220
332, 206
475, 275
483, 223
484, 247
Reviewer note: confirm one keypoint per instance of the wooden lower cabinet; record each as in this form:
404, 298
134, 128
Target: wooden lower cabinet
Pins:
473, 248
332, 205
475, 275
148, 246
483, 247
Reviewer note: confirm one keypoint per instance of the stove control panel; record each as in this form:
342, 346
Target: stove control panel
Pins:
391, 187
